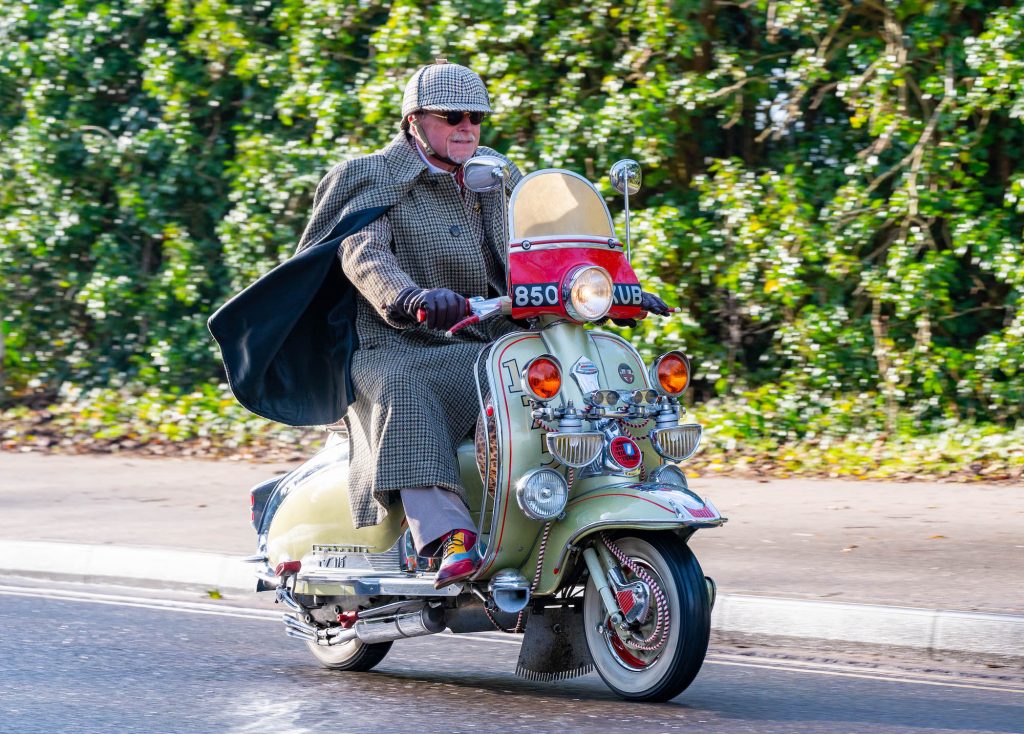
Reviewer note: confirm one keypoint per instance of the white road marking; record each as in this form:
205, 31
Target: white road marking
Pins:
786, 668
740, 661
167, 605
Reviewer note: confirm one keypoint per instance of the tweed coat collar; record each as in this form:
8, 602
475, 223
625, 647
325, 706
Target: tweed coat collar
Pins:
404, 163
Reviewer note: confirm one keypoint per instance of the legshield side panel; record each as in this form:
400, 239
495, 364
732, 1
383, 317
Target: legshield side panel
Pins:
514, 538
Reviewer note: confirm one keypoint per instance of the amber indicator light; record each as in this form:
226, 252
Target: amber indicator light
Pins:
673, 374
544, 378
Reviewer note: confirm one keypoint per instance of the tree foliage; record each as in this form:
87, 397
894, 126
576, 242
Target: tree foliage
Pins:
833, 191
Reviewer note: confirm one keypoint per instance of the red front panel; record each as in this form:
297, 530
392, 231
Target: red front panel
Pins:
538, 276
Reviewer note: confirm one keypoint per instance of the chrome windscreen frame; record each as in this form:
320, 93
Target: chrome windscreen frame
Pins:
515, 195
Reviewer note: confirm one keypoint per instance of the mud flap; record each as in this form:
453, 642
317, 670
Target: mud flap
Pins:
554, 646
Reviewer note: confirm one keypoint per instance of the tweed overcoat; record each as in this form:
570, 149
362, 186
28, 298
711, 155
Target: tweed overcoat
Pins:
415, 392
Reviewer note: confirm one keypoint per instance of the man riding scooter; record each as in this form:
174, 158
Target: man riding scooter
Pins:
413, 244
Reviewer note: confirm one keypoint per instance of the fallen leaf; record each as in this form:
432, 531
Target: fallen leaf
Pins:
936, 537
847, 549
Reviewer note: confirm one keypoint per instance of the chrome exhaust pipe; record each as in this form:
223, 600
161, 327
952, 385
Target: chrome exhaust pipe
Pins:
427, 621
299, 635
299, 630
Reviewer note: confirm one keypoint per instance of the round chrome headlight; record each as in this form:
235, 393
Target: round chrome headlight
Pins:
587, 292
542, 494
669, 474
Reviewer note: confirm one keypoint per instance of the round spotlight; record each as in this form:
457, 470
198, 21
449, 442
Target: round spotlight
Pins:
542, 494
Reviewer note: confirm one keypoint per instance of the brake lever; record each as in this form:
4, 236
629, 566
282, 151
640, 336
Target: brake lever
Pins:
482, 309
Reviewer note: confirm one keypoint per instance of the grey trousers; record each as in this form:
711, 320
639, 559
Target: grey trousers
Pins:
432, 513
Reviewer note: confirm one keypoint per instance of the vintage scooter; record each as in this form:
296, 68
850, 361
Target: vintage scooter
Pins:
582, 512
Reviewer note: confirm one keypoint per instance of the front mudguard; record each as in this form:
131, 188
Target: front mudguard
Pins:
623, 506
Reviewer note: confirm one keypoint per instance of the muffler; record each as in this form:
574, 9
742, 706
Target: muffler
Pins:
427, 621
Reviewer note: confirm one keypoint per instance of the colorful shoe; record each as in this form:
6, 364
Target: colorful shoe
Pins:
459, 558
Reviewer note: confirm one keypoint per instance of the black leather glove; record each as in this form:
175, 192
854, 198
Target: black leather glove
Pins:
648, 302
651, 303
443, 308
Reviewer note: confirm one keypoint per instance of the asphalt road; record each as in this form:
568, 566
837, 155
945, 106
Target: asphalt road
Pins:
81, 663
920, 544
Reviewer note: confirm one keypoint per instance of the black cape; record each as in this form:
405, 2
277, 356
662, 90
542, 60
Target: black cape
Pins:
287, 340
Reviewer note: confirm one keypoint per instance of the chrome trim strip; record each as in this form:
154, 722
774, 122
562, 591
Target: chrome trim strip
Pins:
487, 438
378, 585
537, 245
491, 552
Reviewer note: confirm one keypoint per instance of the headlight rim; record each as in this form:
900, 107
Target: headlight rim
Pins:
524, 381
653, 373
570, 281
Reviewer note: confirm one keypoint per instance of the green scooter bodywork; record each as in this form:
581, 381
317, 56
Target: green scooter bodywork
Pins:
315, 510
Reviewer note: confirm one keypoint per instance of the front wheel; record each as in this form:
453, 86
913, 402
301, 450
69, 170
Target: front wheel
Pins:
354, 655
638, 663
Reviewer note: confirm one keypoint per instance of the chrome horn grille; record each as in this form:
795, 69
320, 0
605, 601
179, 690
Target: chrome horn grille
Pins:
677, 443
576, 449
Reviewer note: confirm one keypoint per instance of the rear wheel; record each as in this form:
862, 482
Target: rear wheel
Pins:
636, 663
354, 655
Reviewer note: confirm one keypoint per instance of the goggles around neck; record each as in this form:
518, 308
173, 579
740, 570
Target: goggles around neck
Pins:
453, 117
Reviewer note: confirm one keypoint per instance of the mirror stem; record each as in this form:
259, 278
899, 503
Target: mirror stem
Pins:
628, 257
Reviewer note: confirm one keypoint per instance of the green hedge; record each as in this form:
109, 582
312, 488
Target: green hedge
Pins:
833, 190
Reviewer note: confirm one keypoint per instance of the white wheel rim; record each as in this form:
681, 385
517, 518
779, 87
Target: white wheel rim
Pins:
336, 654
609, 663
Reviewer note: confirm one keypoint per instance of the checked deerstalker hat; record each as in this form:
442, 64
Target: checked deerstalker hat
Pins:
444, 87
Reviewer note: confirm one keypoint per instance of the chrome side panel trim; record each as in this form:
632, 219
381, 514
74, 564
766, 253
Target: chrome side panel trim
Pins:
352, 584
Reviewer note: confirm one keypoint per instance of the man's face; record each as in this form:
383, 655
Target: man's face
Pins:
457, 142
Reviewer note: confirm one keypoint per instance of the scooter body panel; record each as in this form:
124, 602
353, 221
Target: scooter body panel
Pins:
597, 505
316, 510
609, 362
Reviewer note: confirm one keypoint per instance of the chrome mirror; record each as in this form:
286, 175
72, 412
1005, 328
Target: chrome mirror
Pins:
626, 176
484, 173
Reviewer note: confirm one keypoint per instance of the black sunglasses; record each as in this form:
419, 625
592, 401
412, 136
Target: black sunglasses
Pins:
453, 118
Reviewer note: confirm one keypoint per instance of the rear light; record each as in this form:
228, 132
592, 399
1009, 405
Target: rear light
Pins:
676, 443
542, 377
575, 449
670, 373
258, 498
288, 568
